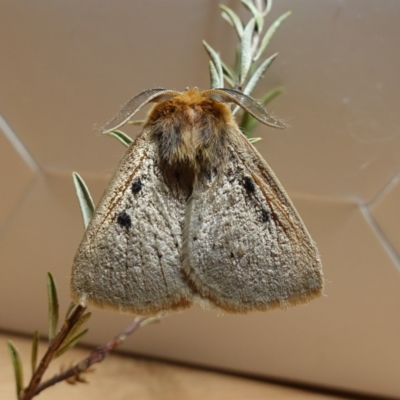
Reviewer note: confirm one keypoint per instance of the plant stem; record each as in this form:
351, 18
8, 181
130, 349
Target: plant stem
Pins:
29, 392
97, 355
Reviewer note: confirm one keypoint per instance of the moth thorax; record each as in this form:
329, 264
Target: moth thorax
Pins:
191, 131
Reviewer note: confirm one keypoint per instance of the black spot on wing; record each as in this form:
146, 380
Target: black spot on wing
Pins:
124, 220
248, 184
137, 186
265, 215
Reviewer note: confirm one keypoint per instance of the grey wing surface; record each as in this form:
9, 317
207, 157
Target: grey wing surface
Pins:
246, 248
130, 256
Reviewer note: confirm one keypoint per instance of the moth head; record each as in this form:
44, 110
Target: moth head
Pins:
219, 95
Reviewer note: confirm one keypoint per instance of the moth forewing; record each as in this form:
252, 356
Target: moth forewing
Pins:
247, 248
130, 254
193, 214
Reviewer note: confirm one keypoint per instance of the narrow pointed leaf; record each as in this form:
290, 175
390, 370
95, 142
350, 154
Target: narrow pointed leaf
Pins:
237, 64
17, 364
53, 305
268, 5
258, 73
253, 140
245, 124
225, 16
215, 58
70, 344
229, 75
74, 330
214, 78
246, 56
136, 122
270, 32
256, 14
121, 137
230, 82
35, 346
271, 95
84, 198
229, 15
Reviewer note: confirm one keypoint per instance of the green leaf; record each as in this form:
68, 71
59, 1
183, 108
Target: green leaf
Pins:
214, 78
253, 140
84, 198
257, 75
246, 56
17, 364
230, 82
121, 136
229, 15
248, 123
135, 122
70, 344
229, 75
215, 58
78, 325
267, 9
270, 32
53, 305
237, 63
256, 14
245, 123
35, 346
271, 95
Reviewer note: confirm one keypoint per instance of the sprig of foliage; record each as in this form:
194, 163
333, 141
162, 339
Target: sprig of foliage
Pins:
85, 199
35, 349
249, 68
18, 369
53, 305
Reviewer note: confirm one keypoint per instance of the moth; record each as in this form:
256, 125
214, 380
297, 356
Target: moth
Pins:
194, 214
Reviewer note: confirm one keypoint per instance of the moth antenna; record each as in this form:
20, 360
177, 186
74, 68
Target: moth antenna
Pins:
246, 102
135, 104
